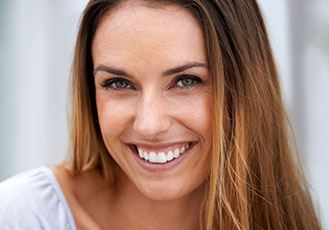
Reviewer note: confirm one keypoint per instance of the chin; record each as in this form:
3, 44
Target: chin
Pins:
160, 191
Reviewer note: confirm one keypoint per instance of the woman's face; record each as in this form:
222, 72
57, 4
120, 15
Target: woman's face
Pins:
153, 95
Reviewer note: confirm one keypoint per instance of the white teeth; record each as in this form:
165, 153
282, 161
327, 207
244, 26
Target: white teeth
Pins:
140, 153
176, 153
170, 156
153, 157
182, 149
146, 156
161, 157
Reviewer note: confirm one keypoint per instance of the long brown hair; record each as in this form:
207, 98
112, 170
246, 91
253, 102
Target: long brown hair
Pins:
254, 181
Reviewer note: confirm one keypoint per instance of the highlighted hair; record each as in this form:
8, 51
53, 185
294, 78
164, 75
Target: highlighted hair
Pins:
254, 181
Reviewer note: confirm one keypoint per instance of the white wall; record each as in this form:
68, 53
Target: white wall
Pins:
299, 31
37, 39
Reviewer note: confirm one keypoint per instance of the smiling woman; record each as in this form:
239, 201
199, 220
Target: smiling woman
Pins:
158, 99
177, 123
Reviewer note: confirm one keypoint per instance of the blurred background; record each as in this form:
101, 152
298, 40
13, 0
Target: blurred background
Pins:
36, 47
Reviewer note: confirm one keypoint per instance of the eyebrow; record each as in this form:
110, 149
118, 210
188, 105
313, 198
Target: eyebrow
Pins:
184, 67
175, 70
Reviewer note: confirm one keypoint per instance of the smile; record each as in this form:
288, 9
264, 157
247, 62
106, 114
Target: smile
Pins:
161, 156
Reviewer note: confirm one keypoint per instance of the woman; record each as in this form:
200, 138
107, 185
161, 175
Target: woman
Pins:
177, 123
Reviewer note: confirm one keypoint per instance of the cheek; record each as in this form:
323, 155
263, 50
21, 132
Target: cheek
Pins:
194, 111
113, 115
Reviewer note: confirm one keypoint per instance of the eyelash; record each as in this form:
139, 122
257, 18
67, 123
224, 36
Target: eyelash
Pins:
109, 83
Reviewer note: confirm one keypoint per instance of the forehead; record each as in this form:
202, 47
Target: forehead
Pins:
136, 32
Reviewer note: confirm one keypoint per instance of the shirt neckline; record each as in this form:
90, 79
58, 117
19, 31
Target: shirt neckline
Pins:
60, 194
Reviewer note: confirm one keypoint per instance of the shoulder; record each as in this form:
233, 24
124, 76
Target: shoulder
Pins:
33, 200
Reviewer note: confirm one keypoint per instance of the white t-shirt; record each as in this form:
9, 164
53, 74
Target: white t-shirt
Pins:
34, 200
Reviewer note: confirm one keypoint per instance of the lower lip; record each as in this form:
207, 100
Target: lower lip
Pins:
156, 167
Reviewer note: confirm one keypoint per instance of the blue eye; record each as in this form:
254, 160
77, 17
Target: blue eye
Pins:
187, 81
116, 84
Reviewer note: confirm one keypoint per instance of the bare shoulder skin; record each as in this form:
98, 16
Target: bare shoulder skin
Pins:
76, 189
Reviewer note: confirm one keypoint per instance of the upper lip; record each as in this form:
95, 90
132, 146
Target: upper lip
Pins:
159, 146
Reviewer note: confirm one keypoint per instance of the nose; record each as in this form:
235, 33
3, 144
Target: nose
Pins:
151, 117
